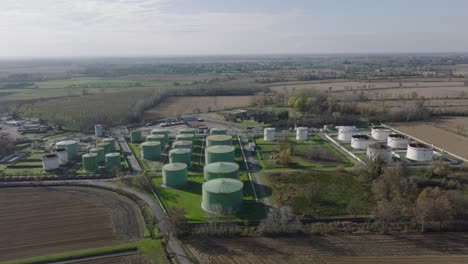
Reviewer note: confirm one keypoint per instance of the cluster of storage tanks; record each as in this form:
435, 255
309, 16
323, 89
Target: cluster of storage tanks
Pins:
222, 190
104, 153
381, 142
64, 151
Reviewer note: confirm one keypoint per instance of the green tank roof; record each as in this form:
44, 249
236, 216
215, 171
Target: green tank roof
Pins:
223, 185
218, 170
216, 140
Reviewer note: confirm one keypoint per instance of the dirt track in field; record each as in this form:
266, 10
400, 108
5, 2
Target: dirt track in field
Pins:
437, 248
45, 220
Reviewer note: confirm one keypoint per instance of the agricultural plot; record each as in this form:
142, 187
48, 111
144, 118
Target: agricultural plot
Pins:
441, 138
314, 153
319, 193
58, 219
184, 105
366, 249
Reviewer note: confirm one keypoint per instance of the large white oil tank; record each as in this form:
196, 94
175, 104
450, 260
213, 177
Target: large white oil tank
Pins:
62, 155
269, 134
380, 133
361, 141
301, 134
98, 130
345, 133
397, 141
379, 151
50, 162
419, 152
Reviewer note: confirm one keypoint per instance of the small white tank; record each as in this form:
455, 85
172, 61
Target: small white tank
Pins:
62, 155
301, 134
98, 130
397, 141
380, 133
269, 134
379, 151
361, 141
419, 152
50, 162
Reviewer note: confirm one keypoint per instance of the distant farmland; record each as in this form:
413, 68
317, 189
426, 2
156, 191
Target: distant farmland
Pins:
182, 105
41, 221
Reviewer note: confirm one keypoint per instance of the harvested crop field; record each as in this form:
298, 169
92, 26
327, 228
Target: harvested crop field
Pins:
46, 220
437, 248
438, 137
183, 105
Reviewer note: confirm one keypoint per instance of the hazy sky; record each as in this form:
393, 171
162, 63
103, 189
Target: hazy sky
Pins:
181, 27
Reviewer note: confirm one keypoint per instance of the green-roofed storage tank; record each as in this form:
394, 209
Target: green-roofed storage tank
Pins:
191, 131
218, 170
219, 154
70, 145
111, 142
182, 144
218, 131
151, 150
219, 140
90, 162
174, 174
112, 161
185, 137
100, 153
181, 156
157, 138
135, 136
164, 132
222, 195
106, 146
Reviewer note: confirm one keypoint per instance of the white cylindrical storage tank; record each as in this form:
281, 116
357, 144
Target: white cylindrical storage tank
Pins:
380, 133
379, 151
361, 141
50, 162
269, 134
98, 130
301, 134
345, 133
62, 155
397, 141
419, 152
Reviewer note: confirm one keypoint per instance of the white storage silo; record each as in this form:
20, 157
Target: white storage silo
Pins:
419, 152
380, 133
50, 162
379, 151
301, 134
397, 141
269, 134
98, 130
62, 155
361, 141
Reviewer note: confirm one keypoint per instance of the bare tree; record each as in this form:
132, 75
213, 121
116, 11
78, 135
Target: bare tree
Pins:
433, 205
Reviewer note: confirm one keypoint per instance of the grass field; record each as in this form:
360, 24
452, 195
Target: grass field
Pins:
335, 191
314, 153
338, 249
183, 105
88, 218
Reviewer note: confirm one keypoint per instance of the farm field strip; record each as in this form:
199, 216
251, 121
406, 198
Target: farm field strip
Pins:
58, 219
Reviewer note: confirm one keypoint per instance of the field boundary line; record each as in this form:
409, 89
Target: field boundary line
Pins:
429, 144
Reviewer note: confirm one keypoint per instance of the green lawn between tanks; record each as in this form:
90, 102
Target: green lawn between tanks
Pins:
189, 198
135, 148
337, 190
314, 143
151, 248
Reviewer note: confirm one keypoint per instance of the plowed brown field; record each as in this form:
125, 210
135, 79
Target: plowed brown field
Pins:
438, 248
46, 220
